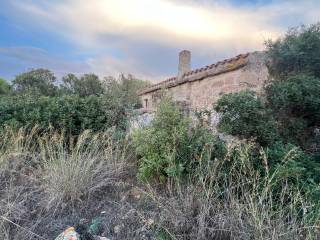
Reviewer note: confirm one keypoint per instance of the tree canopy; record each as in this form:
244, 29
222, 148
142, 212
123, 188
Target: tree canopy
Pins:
38, 81
297, 52
86, 85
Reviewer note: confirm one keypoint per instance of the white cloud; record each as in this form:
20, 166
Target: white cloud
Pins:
166, 22
205, 27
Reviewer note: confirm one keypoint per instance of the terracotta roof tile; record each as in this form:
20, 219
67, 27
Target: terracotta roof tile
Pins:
171, 82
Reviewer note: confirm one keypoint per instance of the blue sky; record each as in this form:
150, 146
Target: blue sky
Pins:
142, 37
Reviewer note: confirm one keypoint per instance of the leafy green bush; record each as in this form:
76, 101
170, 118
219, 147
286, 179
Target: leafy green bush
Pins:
171, 148
71, 113
159, 145
298, 52
243, 114
293, 162
298, 96
294, 93
295, 103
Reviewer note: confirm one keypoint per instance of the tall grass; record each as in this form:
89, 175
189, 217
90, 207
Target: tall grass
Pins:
236, 201
47, 176
46, 173
74, 169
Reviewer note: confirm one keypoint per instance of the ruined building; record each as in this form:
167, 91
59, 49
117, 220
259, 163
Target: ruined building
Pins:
198, 89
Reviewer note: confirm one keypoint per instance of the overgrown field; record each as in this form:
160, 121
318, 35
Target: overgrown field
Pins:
50, 181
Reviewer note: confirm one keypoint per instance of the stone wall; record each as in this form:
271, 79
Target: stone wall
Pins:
201, 94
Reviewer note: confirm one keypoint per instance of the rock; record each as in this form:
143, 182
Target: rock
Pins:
69, 234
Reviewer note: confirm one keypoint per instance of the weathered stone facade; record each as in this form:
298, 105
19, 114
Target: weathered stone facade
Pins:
200, 88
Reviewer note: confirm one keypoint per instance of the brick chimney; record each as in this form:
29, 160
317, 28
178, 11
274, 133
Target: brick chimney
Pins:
184, 63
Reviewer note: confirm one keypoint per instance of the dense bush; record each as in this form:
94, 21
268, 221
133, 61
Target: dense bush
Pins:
298, 96
294, 93
244, 114
296, 104
292, 96
77, 104
170, 148
71, 113
298, 52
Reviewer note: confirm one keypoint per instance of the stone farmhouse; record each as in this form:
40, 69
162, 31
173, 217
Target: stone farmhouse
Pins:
198, 89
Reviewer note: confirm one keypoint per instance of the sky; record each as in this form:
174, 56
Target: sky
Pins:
140, 37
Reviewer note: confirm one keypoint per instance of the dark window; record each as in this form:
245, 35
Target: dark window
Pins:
146, 103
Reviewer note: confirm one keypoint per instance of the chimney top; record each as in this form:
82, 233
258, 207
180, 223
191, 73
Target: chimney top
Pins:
184, 63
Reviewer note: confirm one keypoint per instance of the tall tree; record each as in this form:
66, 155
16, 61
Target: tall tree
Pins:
40, 81
86, 85
126, 87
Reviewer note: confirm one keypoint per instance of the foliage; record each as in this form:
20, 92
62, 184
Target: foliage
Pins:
77, 104
298, 52
125, 88
235, 200
5, 88
298, 96
289, 160
37, 81
46, 176
243, 114
70, 113
286, 119
296, 104
86, 85
170, 148
159, 145
294, 93
49, 181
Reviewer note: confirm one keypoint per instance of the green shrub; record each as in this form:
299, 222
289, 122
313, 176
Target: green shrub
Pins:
171, 148
295, 103
298, 52
160, 144
70, 113
298, 96
294, 163
294, 93
243, 114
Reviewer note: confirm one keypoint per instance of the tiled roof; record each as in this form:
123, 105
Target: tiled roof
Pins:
200, 73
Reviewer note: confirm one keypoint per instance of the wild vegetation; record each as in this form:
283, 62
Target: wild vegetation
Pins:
66, 155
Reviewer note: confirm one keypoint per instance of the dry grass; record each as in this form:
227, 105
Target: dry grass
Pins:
242, 204
46, 175
73, 170
49, 181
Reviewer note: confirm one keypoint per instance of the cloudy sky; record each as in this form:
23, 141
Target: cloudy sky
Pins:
142, 37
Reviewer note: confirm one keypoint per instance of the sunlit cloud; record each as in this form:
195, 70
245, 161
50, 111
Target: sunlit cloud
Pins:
163, 21
211, 29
